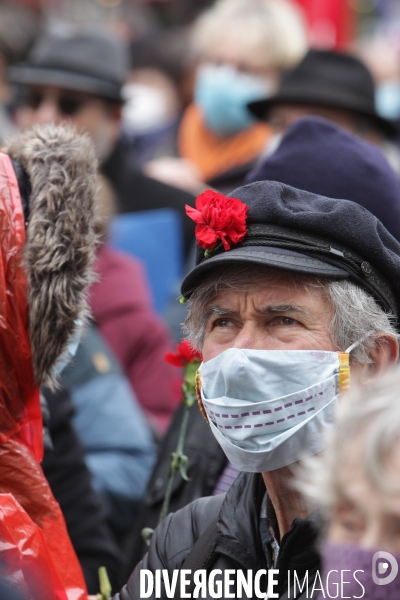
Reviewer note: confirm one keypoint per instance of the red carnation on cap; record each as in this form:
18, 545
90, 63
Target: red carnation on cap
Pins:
218, 218
184, 355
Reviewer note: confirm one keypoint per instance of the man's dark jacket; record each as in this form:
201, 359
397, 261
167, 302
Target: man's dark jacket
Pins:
237, 538
206, 462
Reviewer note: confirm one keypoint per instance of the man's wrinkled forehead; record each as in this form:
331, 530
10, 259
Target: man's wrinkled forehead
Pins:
279, 293
291, 309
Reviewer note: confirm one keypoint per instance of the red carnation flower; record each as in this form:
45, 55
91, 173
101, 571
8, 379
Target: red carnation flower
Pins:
185, 354
218, 218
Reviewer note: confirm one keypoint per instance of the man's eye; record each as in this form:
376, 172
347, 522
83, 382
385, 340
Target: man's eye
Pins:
222, 323
287, 321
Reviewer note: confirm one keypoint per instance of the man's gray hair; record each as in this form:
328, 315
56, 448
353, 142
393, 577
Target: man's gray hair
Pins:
367, 424
357, 317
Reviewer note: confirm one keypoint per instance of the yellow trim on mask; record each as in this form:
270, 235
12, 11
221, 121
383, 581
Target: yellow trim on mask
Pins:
198, 395
344, 372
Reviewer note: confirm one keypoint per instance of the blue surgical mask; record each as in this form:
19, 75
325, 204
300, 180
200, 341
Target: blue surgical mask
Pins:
387, 99
222, 94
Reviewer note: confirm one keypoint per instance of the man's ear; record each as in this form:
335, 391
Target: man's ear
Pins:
384, 356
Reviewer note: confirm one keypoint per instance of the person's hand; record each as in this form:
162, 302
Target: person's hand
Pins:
178, 172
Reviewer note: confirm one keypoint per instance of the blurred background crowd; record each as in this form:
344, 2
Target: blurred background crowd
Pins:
178, 96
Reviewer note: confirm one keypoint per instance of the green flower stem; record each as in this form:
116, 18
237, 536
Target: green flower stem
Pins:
105, 586
178, 459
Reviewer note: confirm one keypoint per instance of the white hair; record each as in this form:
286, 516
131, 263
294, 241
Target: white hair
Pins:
356, 316
368, 419
274, 28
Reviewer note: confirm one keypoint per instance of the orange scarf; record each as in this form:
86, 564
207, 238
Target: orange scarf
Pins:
214, 155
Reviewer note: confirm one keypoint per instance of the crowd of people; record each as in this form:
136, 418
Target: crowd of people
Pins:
252, 426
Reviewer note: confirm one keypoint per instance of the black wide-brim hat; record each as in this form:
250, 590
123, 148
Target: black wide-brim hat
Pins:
298, 232
328, 79
94, 62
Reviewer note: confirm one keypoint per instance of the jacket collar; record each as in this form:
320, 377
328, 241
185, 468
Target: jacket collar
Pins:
238, 533
239, 522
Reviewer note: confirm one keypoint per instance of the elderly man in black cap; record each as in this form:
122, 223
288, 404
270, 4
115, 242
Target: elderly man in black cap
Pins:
293, 296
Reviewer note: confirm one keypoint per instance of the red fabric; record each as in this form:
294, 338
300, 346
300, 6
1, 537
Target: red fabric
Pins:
19, 396
43, 538
331, 22
122, 306
21, 444
27, 566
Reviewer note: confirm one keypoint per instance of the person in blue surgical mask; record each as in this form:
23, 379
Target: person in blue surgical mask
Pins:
381, 54
240, 47
294, 298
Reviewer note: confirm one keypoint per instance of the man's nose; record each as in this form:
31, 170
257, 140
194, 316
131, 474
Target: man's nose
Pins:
251, 337
48, 112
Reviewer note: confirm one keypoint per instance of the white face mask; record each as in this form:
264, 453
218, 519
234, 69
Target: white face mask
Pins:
147, 109
270, 408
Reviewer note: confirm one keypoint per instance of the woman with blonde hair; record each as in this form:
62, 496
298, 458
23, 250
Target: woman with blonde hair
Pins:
240, 48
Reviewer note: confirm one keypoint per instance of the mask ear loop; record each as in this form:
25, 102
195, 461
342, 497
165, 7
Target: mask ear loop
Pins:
364, 337
344, 361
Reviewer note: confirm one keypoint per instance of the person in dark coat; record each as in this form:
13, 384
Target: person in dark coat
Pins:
77, 76
288, 299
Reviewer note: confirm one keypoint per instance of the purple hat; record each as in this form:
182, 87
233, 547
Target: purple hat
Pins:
318, 156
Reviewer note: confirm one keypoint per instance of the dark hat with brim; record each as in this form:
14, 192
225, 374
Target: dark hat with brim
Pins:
27, 75
84, 61
298, 232
276, 258
328, 79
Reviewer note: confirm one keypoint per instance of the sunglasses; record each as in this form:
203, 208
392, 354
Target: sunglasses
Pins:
68, 104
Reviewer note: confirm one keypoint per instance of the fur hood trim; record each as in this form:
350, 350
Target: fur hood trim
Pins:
60, 236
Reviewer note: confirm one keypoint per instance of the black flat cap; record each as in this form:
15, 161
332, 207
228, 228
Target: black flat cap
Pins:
79, 59
296, 231
329, 79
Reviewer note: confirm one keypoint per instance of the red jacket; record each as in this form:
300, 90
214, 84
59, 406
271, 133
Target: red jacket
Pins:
36, 550
122, 306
